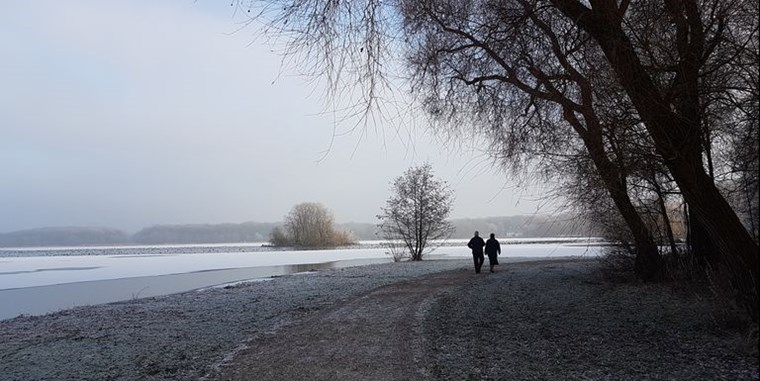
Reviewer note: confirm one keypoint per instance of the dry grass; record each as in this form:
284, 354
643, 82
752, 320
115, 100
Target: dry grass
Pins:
707, 286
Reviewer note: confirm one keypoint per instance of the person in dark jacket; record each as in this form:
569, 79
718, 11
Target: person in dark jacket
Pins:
493, 249
476, 244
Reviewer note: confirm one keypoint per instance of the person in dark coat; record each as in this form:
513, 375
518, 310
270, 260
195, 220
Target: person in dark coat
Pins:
493, 249
476, 244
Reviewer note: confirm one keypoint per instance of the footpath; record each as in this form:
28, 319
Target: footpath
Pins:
554, 320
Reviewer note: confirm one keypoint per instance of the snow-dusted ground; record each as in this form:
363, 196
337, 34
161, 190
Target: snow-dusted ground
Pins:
38, 284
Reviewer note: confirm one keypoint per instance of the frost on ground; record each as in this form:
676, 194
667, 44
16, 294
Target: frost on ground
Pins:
180, 336
551, 320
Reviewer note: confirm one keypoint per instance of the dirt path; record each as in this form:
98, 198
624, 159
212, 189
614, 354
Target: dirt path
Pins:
373, 337
541, 320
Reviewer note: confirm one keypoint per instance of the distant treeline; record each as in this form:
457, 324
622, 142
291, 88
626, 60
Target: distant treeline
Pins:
503, 227
206, 233
529, 226
63, 236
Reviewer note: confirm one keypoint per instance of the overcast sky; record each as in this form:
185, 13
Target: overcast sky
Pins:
127, 114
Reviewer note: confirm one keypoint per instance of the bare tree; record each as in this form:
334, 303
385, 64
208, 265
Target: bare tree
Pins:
531, 83
309, 224
669, 105
731, 103
415, 214
527, 73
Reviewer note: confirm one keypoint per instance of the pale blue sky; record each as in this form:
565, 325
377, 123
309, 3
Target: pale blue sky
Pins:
132, 113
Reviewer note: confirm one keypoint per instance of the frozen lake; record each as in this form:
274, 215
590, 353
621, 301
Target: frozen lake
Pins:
36, 281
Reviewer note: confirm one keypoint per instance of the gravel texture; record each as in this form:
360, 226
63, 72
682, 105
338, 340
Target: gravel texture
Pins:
563, 321
434, 320
180, 336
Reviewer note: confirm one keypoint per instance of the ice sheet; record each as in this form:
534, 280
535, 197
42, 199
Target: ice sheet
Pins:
41, 284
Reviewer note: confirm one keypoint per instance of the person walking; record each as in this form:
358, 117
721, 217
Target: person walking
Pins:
476, 244
493, 249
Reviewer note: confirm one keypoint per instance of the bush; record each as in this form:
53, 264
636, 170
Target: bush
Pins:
310, 224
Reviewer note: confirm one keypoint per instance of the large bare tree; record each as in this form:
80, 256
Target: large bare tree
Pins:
670, 108
539, 76
527, 86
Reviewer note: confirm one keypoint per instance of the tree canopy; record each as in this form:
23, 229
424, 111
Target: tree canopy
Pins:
645, 97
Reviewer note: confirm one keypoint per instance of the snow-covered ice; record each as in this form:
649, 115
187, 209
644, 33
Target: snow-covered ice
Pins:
41, 284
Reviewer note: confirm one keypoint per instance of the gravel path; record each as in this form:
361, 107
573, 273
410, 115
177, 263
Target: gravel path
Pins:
371, 337
434, 320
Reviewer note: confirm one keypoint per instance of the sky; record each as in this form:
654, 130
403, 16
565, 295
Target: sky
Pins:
127, 114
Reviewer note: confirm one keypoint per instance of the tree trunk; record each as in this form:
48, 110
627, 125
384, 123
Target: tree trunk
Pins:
700, 246
665, 217
649, 263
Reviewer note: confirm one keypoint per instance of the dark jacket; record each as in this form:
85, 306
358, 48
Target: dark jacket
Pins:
493, 246
476, 244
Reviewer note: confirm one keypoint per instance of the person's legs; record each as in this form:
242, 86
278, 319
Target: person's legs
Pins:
475, 259
481, 259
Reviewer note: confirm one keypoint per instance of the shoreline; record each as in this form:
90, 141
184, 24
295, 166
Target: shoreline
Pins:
179, 336
247, 247
41, 286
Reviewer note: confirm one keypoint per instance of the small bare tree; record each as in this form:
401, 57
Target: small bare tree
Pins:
415, 214
309, 224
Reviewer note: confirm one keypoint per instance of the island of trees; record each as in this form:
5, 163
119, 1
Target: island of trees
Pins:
310, 225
